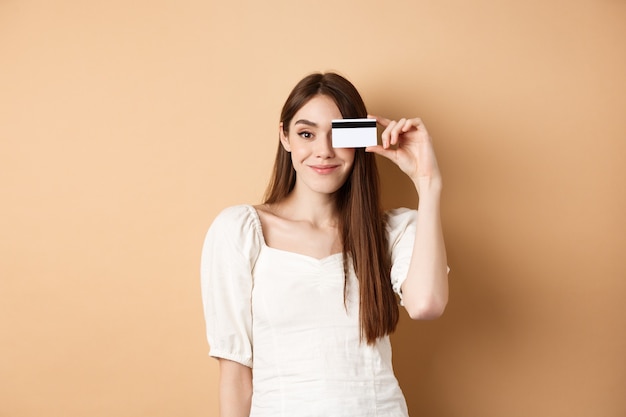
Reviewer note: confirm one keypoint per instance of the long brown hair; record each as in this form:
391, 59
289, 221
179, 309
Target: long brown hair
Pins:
361, 219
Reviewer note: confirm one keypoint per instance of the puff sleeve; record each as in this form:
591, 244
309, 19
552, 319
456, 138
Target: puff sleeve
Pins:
229, 253
401, 229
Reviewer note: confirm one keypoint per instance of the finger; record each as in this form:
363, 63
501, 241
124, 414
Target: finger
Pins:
380, 120
379, 150
408, 125
415, 122
386, 135
397, 130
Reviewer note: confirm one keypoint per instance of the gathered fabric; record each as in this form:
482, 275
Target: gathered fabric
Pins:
284, 315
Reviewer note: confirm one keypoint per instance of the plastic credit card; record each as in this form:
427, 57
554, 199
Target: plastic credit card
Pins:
354, 133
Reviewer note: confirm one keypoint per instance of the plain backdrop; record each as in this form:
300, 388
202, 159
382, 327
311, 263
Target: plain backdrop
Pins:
125, 127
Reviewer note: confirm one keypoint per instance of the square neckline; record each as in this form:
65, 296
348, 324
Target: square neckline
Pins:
259, 226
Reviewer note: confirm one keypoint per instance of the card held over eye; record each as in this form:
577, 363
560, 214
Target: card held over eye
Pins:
354, 133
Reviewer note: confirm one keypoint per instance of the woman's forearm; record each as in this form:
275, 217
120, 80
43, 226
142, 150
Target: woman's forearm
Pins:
425, 290
235, 389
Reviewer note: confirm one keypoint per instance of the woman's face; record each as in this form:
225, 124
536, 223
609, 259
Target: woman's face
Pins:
319, 167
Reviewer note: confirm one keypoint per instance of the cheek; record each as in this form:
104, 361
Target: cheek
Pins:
346, 154
297, 153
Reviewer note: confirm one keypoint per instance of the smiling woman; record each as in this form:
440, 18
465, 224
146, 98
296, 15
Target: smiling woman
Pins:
308, 139
300, 292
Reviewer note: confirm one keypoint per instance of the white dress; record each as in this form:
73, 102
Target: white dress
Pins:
283, 314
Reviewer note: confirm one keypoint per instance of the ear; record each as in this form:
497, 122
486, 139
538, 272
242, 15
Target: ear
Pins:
284, 140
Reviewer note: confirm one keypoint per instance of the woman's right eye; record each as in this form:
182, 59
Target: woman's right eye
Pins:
306, 135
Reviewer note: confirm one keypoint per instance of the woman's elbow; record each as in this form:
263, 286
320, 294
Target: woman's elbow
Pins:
426, 309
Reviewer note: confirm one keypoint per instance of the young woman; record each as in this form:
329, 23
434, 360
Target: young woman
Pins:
301, 292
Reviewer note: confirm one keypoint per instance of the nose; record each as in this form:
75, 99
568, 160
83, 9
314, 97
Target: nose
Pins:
324, 147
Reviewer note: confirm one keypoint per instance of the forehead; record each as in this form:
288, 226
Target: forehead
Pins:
320, 109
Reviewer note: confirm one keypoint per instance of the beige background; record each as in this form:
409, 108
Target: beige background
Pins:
126, 126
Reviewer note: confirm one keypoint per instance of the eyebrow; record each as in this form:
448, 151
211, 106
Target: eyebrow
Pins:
305, 122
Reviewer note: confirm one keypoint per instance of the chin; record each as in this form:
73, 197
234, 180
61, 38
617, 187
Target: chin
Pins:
327, 189
323, 185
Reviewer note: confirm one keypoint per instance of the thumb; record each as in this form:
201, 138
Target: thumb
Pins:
379, 150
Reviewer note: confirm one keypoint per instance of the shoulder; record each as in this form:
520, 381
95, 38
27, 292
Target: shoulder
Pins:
400, 217
237, 225
398, 221
240, 216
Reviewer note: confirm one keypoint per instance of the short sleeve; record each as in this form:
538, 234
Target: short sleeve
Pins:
229, 252
401, 229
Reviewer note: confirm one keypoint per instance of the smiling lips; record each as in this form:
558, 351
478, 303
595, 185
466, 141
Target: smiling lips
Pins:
324, 169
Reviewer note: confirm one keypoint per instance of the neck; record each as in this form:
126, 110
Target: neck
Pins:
316, 208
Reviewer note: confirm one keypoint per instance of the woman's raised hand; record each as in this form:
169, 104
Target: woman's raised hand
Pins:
407, 143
